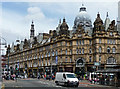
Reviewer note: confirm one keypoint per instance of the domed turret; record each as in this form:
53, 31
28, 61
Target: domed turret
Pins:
98, 24
98, 20
64, 25
64, 28
83, 19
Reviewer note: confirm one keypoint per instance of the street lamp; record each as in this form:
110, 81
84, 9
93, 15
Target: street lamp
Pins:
51, 64
0, 56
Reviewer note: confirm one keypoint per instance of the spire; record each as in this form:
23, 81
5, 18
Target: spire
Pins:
107, 14
107, 22
64, 25
98, 24
64, 19
60, 21
32, 30
82, 4
98, 15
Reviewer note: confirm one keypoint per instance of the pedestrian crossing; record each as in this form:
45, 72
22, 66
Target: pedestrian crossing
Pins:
51, 84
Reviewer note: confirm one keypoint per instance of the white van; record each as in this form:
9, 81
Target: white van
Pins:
66, 78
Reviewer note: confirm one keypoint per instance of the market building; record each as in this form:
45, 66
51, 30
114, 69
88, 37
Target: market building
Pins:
76, 50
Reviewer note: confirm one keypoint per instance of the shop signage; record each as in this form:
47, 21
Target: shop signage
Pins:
97, 63
80, 62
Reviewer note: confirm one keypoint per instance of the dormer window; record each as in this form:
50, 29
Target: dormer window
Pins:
111, 33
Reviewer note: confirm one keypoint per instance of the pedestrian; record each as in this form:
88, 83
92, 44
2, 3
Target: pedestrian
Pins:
53, 77
33, 75
49, 77
38, 76
45, 76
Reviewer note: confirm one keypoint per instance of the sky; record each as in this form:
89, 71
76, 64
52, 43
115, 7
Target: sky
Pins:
16, 17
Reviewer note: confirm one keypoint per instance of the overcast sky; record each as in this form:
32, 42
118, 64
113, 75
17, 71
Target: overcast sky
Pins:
16, 17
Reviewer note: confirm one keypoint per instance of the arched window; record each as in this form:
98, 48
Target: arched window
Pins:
70, 59
113, 50
66, 52
111, 60
70, 43
113, 41
66, 59
77, 50
56, 52
100, 58
61, 51
100, 49
108, 49
61, 59
70, 51
66, 43
90, 50
82, 50
100, 41
90, 42
53, 53
108, 41
77, 42
80, 42
90, 59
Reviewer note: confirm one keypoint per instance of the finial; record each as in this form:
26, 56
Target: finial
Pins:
60, 21
82, 4
64, 19
98, 15
32, 21
107, 14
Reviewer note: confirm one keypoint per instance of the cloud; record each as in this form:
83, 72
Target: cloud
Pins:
35, 13
46, 16
58, 1
17, 26
42, 23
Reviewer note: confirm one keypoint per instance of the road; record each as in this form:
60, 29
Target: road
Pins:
41, 84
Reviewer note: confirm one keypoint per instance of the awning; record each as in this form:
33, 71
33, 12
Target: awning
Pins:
108, 71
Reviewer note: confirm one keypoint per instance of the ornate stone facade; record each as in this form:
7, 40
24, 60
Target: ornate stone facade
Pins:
60, 51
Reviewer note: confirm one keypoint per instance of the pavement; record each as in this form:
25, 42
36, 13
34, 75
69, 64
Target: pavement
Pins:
2, 85
82, 83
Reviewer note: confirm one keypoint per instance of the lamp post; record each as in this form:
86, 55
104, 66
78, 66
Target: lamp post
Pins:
8, 51
51, 70
51, 65
0, 56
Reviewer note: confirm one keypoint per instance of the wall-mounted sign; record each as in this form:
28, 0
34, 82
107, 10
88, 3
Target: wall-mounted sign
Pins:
96, 63
80, 62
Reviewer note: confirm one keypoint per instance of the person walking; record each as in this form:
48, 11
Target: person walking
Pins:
38, 76
45, 76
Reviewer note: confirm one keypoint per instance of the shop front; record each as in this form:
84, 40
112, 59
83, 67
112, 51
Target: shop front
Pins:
69, 69
80, 67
